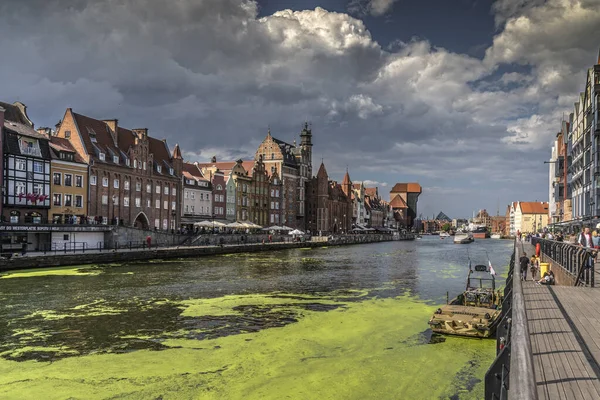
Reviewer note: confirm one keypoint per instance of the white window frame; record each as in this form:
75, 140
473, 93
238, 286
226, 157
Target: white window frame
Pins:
126, 201
172, 205
116, 183
166, 190
104, 199
93, 179
126, 184
102, 157
55, 174
59, 200
105, 182
116, 159
138, 202
78, 176
157, 190
158, 169
40, 165
157, 203
166, 204
78, 196
20, 165
65, 179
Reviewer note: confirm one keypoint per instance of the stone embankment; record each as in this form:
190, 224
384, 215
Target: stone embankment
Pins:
125, 255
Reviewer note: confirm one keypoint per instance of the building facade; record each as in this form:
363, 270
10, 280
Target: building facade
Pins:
197, 196
134, 180
409, 193
330, 204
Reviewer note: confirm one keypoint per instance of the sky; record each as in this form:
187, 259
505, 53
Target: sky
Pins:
464, 96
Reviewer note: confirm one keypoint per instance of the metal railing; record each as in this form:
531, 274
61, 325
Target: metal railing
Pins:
577, 261
513, 348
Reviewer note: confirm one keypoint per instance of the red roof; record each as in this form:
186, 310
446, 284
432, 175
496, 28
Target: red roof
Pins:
371, 192
534, 207
406, 188
398, 202
90, 127
62, 144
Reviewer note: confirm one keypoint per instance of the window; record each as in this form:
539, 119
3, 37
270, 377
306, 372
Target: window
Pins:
56, 178
219, 187
149, 188
19, 188
116, 183
102, 157
105, 182
68, 200
272, 218
104, 199
38, 188
138, 202
157, 223
187, 208
192, 208
157, 204
277, 193
148, 203
272, 205
134, 163
126, 184
157, 189
126, 201
115, 159
78, 201
78, 181
93, 180
165, 224
166, 191
201, 196
173, 191
272, 156
185, 194
158, 168
56, 199
216, 197
172, 205
127, 162
193, 195
38, 167
166, 205
144, 165
67, 134
20, 165
138, 186
170, 171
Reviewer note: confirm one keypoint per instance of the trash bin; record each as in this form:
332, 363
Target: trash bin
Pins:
544, 267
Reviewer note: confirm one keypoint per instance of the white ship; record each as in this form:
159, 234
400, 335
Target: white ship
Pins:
463, 238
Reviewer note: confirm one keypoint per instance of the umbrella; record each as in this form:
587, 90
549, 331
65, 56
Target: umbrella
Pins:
254, 226
286, 228
235, 225
218, 224
272, 228
206, 224
296, 232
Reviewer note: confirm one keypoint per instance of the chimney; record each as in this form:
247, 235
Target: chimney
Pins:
44, 131
141, 132
113, 124
213, 159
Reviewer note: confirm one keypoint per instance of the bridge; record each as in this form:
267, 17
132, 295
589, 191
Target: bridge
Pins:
548, 343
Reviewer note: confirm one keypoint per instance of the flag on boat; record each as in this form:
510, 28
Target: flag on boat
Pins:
492, 272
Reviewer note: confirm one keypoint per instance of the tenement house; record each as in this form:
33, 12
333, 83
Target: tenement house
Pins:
197, 196
329, 204
69, 183
293, 164
134, 180
409, 196
258, 196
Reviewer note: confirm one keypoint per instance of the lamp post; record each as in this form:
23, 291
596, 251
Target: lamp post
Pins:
591, 207
344, 224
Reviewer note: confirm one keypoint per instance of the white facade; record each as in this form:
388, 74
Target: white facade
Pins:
76, 240
552, 186
197, 198
230, 212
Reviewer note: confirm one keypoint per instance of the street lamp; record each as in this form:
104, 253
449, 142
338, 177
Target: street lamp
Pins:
344, 229
591, 207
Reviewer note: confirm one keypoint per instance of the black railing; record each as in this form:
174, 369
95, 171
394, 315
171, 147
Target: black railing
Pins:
577, 261
513, 348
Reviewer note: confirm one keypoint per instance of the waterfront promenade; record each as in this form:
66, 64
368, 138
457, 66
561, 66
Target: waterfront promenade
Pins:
564, 333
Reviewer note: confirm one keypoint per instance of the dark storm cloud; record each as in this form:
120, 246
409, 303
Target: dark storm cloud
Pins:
213, 76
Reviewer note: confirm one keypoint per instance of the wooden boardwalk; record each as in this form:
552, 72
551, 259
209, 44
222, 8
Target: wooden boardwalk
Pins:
564, 328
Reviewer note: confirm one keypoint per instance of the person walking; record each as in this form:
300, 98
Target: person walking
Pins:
586, 240
535, 266
524, 263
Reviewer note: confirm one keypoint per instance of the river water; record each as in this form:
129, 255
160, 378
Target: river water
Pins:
328, 323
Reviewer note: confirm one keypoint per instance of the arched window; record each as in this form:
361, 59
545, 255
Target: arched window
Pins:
134, 163
219, 187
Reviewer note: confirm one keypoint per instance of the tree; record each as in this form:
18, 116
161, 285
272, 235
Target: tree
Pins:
446, 227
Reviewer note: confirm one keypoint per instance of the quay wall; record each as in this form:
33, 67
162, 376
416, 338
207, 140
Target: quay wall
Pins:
121, 256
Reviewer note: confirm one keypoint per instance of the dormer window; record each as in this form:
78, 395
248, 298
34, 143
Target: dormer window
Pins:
158, 168
102, 157
127, 162
171, 171
115, 159
67, 134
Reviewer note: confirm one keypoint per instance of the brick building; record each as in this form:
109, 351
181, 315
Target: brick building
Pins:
329, 204
134, 179
409, 193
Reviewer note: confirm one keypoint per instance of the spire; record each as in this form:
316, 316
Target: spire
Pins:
177, 152
346, 180
269, 131
322, 170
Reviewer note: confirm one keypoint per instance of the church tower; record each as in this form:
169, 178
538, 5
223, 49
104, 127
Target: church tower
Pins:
306, 147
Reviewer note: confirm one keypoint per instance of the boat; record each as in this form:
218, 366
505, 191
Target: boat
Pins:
444, 235
496, 236
473, 313
480, 232
462, 238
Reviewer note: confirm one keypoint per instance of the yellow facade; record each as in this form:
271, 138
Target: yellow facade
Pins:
69, 188
533, 222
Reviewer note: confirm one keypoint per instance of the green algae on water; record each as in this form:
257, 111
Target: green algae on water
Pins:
370, 349
65, 271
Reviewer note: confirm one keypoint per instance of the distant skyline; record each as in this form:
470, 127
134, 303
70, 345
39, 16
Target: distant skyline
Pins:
464, 97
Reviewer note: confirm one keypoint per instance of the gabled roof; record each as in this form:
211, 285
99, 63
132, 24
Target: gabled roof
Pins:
93, 128
406, 188
398, 202
64, 145
534, 207
16, 112
346, 180
372, 192
24, 130
249, 166
162, 155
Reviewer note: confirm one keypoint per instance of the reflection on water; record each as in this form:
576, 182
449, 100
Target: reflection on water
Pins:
181, 304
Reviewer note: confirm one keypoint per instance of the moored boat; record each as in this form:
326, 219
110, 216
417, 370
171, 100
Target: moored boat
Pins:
475, 312
444, 235
496, 236
463, 238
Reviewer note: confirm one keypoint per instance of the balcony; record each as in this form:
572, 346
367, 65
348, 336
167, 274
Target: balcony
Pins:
31, 151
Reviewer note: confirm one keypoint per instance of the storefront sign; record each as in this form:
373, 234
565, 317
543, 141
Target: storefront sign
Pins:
51, 228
